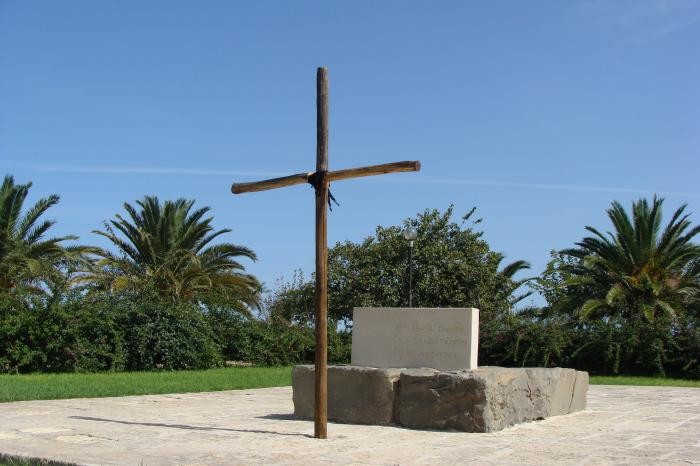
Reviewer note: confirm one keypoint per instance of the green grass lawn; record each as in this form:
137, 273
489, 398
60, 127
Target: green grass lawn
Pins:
56, 386
647, 381
6, 460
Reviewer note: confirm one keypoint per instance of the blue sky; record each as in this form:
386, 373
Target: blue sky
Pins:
537, 113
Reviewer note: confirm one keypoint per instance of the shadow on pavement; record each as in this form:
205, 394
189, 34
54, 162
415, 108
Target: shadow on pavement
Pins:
188, 427
280, 417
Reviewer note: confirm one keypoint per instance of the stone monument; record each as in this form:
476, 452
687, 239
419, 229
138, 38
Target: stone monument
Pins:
417, 368
444, 339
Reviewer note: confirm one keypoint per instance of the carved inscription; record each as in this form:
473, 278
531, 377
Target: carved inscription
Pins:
417, 339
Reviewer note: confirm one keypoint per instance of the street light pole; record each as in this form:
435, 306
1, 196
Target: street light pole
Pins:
410, 234
410, 274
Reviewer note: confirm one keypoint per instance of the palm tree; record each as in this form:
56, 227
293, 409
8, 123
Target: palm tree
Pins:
507, 274
167, 247
640, 270
27, 260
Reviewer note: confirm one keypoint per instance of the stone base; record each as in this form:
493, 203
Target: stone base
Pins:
486, 399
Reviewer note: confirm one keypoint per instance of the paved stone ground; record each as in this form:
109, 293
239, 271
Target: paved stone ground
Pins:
622, 425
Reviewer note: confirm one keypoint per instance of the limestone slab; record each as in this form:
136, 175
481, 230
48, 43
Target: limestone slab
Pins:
578, 400
440, 338
487, 399
362, 395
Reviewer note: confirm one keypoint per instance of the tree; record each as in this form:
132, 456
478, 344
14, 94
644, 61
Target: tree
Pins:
291, 301
639, 271
168, 247
453, 267
629, 298
27, 259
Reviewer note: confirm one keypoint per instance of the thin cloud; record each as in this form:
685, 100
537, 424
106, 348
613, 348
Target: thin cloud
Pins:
150, 171
556, 187
677, 26
402, 179
643, 19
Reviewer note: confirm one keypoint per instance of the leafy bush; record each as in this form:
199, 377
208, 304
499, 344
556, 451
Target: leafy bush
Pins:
161, 333
273, 341
103, 332
32, 335
94, 340
605, 346
130, 332
524, 339
683, 356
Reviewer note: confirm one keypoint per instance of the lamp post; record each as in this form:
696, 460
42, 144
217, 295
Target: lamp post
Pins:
410, 234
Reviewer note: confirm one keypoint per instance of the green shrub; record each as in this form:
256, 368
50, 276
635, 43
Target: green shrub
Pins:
32, 335
104, 332
636, 347
605, 347
524, 339
162, 333
92, 340
232, 332
280, 344
271, 342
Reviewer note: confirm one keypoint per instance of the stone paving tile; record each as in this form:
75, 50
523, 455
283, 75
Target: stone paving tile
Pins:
622, 425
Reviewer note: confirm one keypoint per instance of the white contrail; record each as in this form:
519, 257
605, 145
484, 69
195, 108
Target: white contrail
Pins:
150, 171
402, 179
558, 187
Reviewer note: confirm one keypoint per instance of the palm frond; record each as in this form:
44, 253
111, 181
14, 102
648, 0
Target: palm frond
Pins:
639, 269
169, 246
514, 267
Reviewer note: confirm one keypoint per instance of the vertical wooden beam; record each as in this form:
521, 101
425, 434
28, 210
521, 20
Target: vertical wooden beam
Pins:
321, 366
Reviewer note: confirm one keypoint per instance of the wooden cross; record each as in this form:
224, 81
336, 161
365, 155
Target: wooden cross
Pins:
321, 179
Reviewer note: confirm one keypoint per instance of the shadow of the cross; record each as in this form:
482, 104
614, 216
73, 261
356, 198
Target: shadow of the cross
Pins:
279, 417
189, 427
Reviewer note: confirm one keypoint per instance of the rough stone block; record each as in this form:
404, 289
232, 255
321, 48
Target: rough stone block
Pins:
578, 400
487, 399
361, 395
440, 400
482, 400
552, 390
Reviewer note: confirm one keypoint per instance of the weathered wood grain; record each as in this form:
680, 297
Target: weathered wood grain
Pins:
291, 180
395, 167
321, 351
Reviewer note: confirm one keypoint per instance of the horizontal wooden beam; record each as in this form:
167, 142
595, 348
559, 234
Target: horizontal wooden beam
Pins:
291, 180
412, 166
299, 178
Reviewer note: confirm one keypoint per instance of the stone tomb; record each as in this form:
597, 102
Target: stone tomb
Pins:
434, 382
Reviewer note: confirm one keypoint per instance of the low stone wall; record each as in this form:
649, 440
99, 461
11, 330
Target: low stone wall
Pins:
486, 399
